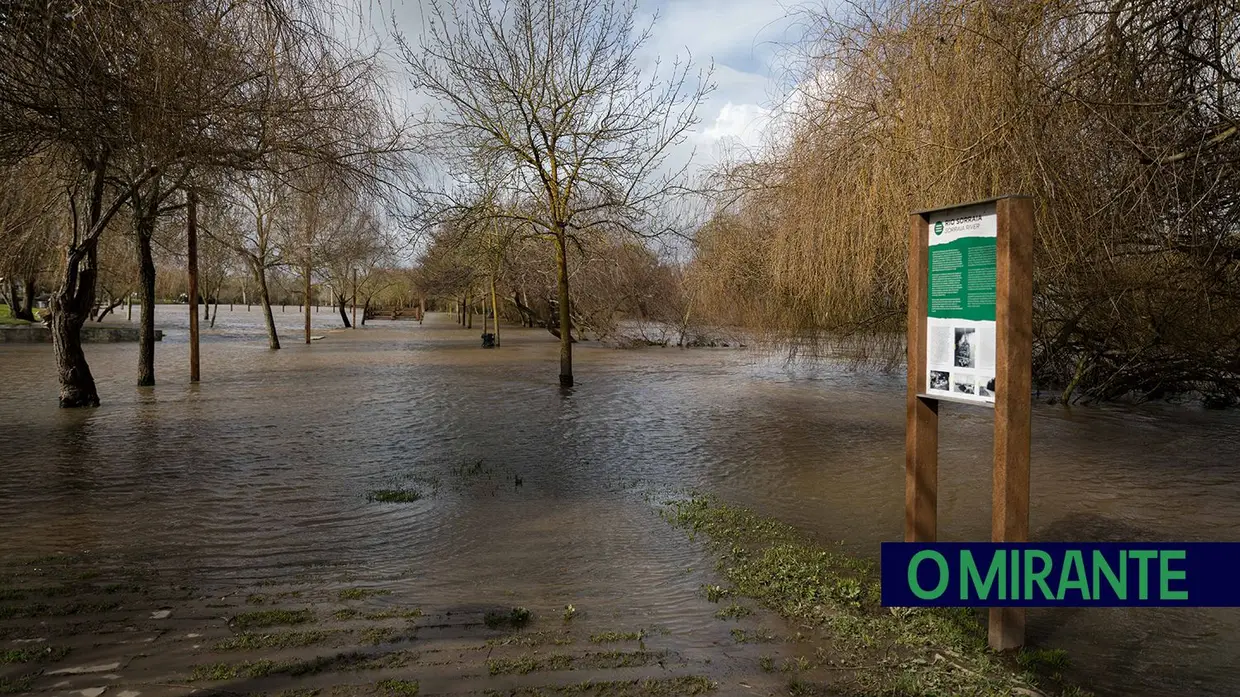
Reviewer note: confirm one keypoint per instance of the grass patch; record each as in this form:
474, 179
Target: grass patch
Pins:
394, 496
271, 618
397, 688
253, 641
603, 660
615, 637
734, 611
43, 654
523, 665
685, 686
532, 639
7, 318
18, 684
404, 614
362, 593
896, 651
351, 660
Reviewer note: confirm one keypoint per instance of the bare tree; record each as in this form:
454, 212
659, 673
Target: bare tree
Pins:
551, 96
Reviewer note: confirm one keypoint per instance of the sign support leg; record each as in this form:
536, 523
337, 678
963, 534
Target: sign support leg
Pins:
1013, 327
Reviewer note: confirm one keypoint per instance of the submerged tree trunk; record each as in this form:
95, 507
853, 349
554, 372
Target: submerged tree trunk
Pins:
494, 311
264, 296
69, 307
344, 313
145, 228
566, 332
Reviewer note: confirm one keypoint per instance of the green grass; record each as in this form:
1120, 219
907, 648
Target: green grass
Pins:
271, 618
42, 654
394, 496
734, 611
397, 688
6, 317
615, 637
685, 686
19, 684
362, 593
890, 651
253, 641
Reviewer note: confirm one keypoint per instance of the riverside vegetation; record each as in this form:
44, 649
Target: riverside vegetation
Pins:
866, 649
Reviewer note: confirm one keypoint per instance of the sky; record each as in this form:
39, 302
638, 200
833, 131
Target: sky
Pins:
741, 37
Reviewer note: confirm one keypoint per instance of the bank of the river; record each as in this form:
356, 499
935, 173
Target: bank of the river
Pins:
521, 494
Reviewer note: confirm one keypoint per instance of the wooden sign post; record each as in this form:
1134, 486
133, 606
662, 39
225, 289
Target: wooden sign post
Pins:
970, 339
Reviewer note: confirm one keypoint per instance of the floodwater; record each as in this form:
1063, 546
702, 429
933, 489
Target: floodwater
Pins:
261, 472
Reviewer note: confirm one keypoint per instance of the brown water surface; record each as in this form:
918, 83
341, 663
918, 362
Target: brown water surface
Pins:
262, 471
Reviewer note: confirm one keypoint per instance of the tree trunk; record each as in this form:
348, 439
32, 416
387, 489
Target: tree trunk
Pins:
469, 312
146, 298
191, 238
260, 275
344, 314
215, 314
307, 294
68, 307
566, 333
26, 309
495, 311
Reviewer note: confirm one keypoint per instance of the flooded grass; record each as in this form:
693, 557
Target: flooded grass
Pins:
397, 688
345, 661
733, 611
271, 618
684, 686
908, 651
615, 637
43, 654
251, 641
532, 639
17, 685
603, 660
362, 593
394, 496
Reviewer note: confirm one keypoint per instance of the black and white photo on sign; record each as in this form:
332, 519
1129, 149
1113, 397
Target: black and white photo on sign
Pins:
985, 387
966, 348
940, 380
964, 384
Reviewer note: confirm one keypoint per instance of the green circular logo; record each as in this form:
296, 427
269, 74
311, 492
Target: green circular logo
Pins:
938, 228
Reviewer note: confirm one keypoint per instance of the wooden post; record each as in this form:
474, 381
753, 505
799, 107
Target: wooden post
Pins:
355, 298
1013, 360
192, 249
921, 446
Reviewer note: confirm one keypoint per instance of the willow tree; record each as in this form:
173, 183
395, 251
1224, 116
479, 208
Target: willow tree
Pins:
559, 97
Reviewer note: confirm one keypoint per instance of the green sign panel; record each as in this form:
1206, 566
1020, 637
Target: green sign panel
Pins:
961, 279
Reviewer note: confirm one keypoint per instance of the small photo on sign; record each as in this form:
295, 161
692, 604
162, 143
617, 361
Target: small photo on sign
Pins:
966, 348
964, 384
940, 380
985, 388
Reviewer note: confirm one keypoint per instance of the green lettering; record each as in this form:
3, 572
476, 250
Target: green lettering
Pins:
1165, 574
1143, 575
914, 586
969, 574
1102, 568
1073, 563
1038, 577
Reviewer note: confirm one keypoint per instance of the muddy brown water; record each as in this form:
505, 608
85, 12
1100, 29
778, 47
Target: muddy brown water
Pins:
260, 476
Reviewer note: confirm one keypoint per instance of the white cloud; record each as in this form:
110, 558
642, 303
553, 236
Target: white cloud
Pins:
742, 124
